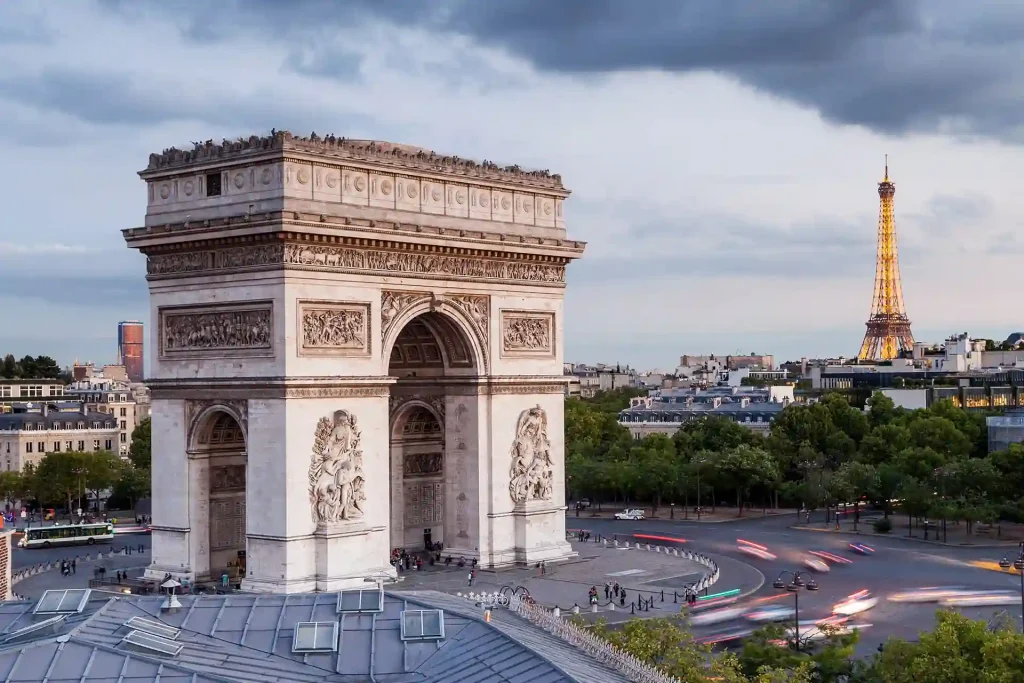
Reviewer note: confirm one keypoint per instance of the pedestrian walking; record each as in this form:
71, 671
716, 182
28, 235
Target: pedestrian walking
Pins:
470, 583
607, 590
622, 597
74, 564
615, 589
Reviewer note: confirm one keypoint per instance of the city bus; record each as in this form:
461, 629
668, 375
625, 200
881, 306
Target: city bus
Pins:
67, 534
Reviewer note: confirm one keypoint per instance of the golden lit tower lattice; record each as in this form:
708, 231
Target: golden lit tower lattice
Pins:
888, 330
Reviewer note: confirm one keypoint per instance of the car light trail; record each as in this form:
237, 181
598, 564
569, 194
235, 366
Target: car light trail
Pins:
660, 538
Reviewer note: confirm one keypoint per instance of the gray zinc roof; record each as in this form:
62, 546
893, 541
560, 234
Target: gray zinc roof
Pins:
247, 638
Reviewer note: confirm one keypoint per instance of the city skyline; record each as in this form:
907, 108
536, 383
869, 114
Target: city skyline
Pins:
704, 233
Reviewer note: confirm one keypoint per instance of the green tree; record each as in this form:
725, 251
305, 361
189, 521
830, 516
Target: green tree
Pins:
9, 370
745, 468
11, 486
102, 470
132, 484
62, 476
882, 410
141, 450
959, 650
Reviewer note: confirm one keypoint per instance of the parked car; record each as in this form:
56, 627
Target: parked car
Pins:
583, 504
633, 513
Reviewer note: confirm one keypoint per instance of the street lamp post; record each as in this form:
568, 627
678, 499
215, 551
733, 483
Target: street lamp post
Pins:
794, 587
1017, 564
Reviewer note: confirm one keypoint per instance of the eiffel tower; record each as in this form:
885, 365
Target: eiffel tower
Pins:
888, 326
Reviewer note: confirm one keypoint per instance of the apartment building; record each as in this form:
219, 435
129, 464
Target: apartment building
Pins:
35, 429
110, 397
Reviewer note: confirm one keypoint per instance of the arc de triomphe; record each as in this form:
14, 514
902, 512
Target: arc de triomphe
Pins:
358, 348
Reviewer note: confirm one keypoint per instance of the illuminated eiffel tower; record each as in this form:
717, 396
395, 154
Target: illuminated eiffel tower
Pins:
888, 330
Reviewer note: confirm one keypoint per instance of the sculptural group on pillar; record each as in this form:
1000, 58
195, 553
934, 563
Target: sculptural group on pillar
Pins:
336, 492
532, 472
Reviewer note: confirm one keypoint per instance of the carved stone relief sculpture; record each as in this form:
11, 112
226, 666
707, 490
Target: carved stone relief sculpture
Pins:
336, 486
344, 259
227, 478
477, 308
531, 476
392, 304
336, 329
422, 464
216, 330
527, 334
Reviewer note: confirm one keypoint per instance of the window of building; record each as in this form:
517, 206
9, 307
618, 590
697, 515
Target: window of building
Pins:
30, 426
124, 424
122, 398
5, 392
124, 438
96, 444
67, 446
42, 446
124, 412
8, 446
28, 447
213, 188
81, 446
56, 390
110, 444
34, 390
56, 446
95, 425
81, 425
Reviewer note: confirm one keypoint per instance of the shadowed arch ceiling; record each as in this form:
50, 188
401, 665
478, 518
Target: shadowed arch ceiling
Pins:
223, 431
430, 341
420, 423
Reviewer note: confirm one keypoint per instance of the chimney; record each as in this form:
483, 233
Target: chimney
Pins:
45, 407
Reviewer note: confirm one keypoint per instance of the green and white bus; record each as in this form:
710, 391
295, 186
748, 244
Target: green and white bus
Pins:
67, 534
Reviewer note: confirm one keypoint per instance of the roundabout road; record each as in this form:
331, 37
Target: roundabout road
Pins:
896, 566
29, 557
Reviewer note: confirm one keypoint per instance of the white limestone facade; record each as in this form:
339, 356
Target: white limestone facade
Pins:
358, 348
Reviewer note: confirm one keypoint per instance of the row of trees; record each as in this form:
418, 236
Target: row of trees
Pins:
80, 479
38, 367
820, 455
959, 650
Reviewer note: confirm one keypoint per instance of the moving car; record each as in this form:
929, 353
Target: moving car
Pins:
815, 564
754, 549
861, 549
860, 601
630, 513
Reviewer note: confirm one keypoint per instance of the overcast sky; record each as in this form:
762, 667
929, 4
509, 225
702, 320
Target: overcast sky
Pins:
723, 156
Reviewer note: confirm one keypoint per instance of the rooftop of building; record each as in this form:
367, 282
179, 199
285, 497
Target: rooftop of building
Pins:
252, 638
31, 381
17, 421
399, 156
724, 409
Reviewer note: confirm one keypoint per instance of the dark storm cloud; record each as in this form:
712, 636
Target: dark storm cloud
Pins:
106, 99
892, 66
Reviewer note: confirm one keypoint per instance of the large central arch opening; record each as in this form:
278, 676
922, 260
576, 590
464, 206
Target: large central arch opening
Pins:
430, 353
221, 441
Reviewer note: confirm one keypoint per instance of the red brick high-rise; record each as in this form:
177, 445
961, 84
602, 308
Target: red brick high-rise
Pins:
130, 338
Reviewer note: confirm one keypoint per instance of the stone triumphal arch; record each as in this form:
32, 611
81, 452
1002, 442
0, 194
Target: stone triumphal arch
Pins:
358, 348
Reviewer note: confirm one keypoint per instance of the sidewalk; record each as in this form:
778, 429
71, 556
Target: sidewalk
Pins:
955, 537
32, 583
720, 515
647, 574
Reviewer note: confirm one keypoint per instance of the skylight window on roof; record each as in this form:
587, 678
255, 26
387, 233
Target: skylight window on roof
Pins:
147, 641
38, 627
153, 628
315, 636
422, 624
62, 601
361, 600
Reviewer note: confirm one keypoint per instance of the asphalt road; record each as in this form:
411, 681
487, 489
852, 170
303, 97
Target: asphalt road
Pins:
897, 565
28, 557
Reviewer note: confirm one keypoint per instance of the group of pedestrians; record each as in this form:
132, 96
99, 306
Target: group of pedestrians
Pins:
612, 591
68, 567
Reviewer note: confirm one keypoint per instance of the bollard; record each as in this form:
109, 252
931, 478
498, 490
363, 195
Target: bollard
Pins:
575, 609
632, 608
663, 596
611, 605
675, 598
593, 608
616, 543
657, 548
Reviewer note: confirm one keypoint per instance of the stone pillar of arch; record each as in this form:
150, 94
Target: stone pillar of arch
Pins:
308, 287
